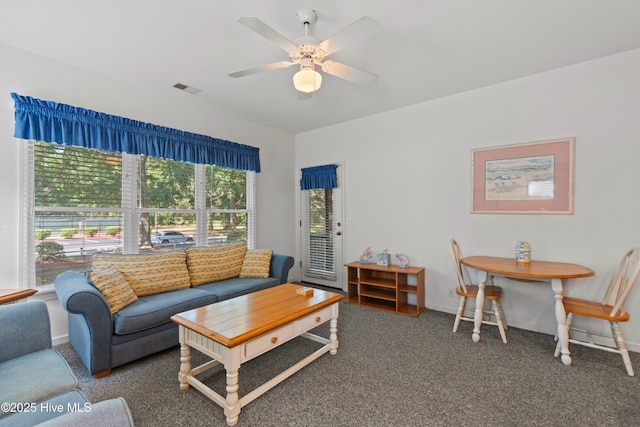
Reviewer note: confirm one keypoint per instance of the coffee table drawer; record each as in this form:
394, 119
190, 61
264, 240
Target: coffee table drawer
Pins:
268, 341
315, 319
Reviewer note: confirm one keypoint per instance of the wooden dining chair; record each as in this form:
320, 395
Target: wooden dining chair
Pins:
467, 290
612, 308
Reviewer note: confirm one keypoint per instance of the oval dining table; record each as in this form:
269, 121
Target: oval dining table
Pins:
536, 271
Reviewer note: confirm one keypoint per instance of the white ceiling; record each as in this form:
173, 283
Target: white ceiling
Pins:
425, 49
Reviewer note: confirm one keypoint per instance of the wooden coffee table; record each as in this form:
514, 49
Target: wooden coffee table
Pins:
237, 330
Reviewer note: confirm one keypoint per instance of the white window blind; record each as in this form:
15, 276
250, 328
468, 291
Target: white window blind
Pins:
318, 232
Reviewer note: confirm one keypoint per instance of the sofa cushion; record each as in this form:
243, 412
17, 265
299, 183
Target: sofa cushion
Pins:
238, 286
215, 263
25, 374
154, 310
256, 263
114, 287
148, 274
52, 408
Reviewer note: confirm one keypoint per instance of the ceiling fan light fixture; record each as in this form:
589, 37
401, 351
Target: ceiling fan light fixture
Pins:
307, 80
308, 51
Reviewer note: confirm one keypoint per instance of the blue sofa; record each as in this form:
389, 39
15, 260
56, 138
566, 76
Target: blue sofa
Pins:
105, 341
37, 386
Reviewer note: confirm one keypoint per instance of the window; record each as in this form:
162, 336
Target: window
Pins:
318, 233
79, 201
321, 225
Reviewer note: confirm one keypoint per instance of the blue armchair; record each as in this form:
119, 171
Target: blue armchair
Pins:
36, 382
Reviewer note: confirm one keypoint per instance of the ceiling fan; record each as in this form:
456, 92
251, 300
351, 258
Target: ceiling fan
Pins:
308, 52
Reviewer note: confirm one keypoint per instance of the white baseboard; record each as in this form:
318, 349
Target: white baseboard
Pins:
631, 346
60, 339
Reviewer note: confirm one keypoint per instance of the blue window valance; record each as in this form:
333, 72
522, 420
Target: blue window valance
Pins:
319, 177
49, 121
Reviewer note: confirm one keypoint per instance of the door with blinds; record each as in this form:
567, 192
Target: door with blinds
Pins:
321, 228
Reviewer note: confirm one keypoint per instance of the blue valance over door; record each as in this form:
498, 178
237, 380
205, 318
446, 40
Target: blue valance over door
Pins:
319, 177
49, 121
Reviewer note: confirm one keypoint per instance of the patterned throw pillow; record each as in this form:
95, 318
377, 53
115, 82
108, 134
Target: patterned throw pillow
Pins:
148, 274
215, 263
256, 263
114, 287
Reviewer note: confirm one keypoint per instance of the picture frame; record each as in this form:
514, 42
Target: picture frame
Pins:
527, 178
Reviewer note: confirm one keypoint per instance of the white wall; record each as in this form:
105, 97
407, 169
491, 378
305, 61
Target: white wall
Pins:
408, 181
38, 77
407, 172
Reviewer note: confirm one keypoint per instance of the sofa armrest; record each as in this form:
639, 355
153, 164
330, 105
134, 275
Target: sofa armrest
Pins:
112, 412
26, 328
90, 320
280, 266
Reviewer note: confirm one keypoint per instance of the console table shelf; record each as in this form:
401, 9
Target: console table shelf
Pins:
390, 288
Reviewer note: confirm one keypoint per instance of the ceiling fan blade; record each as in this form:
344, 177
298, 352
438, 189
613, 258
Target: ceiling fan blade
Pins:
268, 67
347, 72
268, 33
359, 29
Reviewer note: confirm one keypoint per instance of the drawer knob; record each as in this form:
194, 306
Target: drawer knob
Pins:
274, 340
318, 319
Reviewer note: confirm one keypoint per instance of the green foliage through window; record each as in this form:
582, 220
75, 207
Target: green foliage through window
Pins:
50, 251
74, 176
42, 233
68, 233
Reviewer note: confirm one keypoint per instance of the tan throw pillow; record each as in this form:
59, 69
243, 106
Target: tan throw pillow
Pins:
151, 273
256, 263
114, 287
215, 263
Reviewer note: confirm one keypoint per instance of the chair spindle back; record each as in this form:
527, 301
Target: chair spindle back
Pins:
623, 282
463, 275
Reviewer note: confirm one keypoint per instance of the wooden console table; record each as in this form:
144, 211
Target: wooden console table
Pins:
386, 288
11, 295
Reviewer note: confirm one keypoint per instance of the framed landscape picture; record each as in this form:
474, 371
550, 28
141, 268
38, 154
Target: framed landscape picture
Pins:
528, 178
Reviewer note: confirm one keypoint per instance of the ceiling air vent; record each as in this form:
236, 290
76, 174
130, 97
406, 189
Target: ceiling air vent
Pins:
190, 89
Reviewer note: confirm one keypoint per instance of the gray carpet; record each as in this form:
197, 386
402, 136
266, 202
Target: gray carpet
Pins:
392, 370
